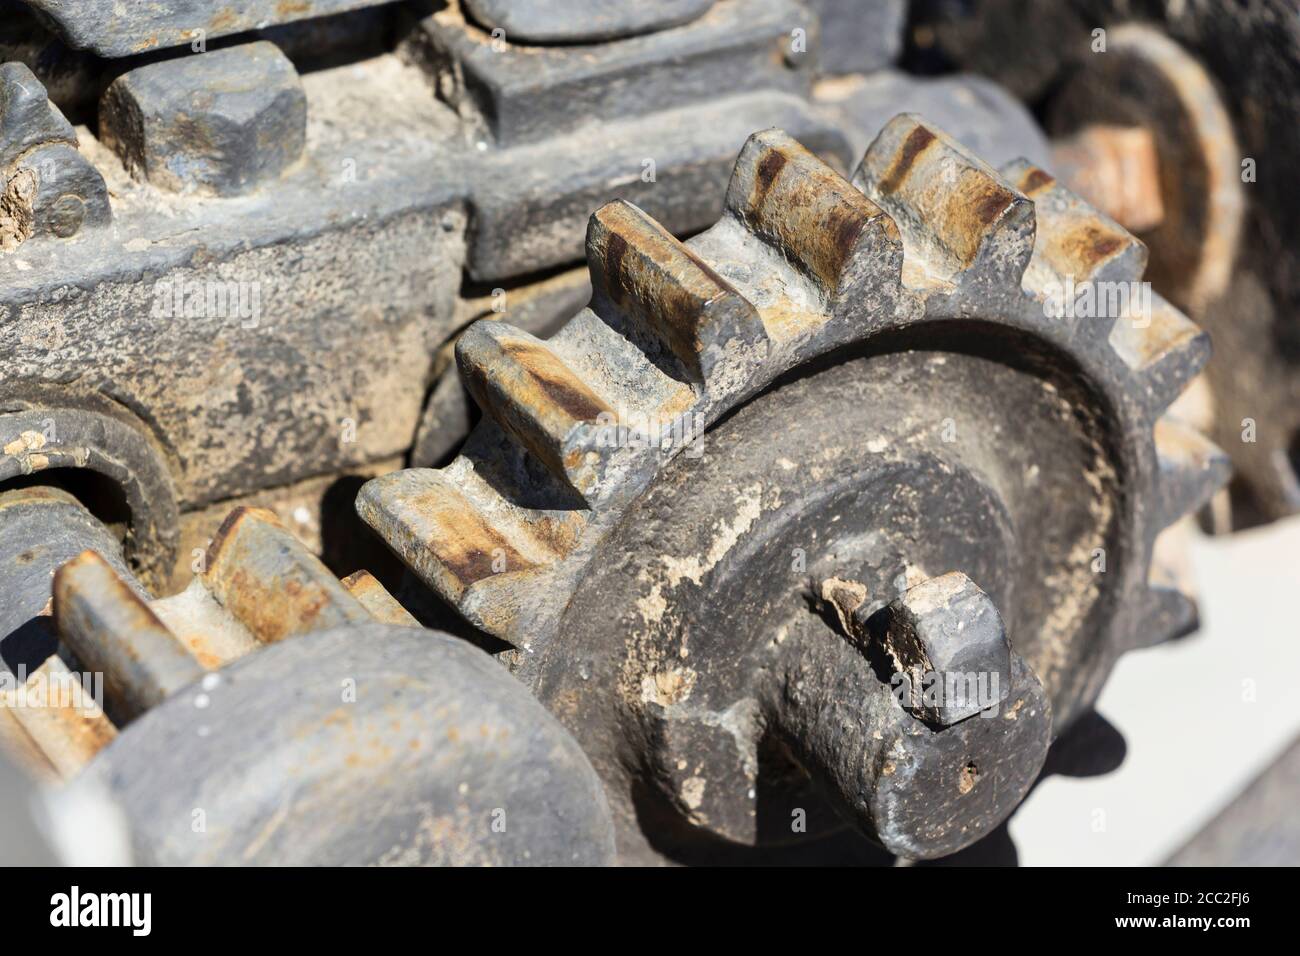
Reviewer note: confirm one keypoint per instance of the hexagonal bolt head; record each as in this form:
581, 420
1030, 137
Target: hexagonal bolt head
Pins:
219, 123
947, 639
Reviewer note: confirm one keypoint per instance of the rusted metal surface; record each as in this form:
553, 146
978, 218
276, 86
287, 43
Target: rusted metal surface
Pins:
374, 597
112, 630
114, 29
620, 630
59, 714
1117, 170
1214, 85
261, 574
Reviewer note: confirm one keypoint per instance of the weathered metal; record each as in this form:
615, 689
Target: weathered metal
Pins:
395, 746
222, 124
1215, 86
116, 29
581, 21
895, 320
354, 742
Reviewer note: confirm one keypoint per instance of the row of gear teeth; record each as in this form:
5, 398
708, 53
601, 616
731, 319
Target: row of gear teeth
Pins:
803, 262
258, 585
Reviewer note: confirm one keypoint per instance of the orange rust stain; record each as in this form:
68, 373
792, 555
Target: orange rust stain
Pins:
917, 142
1088, 244
769, 168
1035, 180
560, 386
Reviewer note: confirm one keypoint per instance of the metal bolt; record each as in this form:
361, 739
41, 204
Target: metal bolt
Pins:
222, 123
947, 639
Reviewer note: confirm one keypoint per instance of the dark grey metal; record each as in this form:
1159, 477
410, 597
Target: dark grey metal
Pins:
121, 29
40, 530
858, 37
943, 629
857, 352
517, 95
27, 117
47, 188
582, 21
222, 123
361, 745
40, 436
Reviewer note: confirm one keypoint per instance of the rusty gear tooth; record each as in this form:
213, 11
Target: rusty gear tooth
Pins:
447, 539
640, 271
1192, 469
1072, 239
1166, 349
812, 216
113, 631
374, 597
531, 392
268, 580
937, 249
64, 729
961, 223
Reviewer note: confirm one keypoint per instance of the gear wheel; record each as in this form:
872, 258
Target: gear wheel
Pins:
271, 714
888, 400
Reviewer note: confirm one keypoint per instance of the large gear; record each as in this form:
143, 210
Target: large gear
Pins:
888, 399
272, 714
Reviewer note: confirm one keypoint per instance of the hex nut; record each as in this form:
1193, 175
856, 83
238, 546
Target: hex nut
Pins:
941, 634
219, 123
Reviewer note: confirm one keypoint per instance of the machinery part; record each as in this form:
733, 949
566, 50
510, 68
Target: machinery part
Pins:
114, 29
976, 112
857, 37
539, 307
47, 188
222, 125
1151, 102
1214, 85
312, 306
40, 529
858, 352
54, 435
582, 21
441, 758
397, 745
1117, 169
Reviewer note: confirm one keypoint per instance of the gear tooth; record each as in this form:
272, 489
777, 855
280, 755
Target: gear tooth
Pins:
444, 537
1167, 351
112, 630
810, 214
271, 583
1073, 240
57, 731
1166, 614
374, 597
960, 221
670, 293
1192, 469
523, 385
